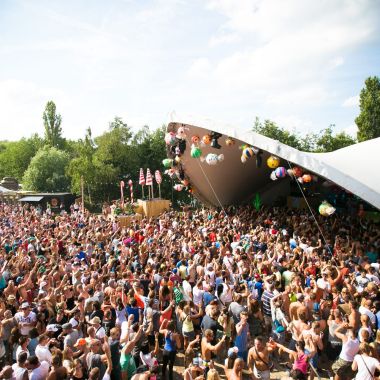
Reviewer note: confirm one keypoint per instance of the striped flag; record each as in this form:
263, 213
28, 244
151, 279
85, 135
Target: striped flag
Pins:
149, 180
157, 176
141, 179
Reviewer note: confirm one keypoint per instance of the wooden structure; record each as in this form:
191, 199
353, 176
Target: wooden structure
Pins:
153, 207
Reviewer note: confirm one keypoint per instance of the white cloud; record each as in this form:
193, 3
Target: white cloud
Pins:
23, 103
290, 46
352, 101
199, 68
293, 123
352, 130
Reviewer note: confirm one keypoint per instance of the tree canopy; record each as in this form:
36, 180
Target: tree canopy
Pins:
368, 121
324, 141
52, 123
46, 171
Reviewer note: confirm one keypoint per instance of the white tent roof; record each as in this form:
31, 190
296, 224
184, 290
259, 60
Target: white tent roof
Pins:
354, 168
4, 190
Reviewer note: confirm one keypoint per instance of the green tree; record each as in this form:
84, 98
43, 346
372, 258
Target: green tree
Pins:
323, 141
270, 129
46, 171
52, 124
326, 141
15, 156
368, 121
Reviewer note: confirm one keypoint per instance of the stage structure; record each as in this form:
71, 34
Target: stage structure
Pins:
220, 172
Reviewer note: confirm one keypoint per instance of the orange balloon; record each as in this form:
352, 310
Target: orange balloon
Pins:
206, 139
306, 178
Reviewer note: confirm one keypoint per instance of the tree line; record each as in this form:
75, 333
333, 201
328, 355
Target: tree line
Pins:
52, 163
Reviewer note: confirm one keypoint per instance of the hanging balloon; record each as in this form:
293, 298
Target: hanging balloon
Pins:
182, 146
206, 139
195, 139
326, 209
281, 172
181, 135
178, 187
195, 152
273, 176
170, 138
259, 158
246, 153
214, 140
213, 159
167, 162
171, 173
297, 171
306, 178
230, 141
273, 162
290, 173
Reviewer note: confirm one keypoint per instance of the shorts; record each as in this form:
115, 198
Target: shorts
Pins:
314, 359
189, 334
341, 367
264, 375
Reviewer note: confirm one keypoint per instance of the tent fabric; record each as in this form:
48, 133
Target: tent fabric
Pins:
354, 168
4, 190
31, 199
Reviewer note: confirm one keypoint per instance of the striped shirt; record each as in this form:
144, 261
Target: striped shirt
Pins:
265, 298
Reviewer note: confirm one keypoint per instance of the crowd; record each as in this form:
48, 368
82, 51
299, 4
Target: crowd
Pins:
231, 293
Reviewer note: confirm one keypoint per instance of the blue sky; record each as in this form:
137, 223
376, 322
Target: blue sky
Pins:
300, 63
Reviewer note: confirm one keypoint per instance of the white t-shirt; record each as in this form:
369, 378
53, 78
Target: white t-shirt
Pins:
43, 353
18, 372
30, 318
363, 369
371, 316
19, 350
100, 333
186, 290
197, 295
40, 373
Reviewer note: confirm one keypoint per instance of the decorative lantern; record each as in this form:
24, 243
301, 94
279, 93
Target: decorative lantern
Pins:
281, 172
306, 178
273, 162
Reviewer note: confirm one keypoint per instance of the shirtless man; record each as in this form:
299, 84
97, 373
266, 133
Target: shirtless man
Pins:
354, 316
295, 306
237, 370
207, 348
258, 359
296, 327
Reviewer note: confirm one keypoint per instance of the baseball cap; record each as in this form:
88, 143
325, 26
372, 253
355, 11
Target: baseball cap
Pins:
232, 351
51, 328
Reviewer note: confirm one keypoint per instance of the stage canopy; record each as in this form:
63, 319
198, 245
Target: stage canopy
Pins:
355, 168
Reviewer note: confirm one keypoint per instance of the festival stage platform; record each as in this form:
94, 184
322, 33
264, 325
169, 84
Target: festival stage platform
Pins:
153, 207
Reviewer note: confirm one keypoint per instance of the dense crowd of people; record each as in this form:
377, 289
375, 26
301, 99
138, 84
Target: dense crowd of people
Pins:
230, 293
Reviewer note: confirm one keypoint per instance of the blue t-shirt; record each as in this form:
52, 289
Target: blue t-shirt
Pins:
134, 311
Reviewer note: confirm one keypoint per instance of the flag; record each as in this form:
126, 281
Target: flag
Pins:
149, 180
141, 179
